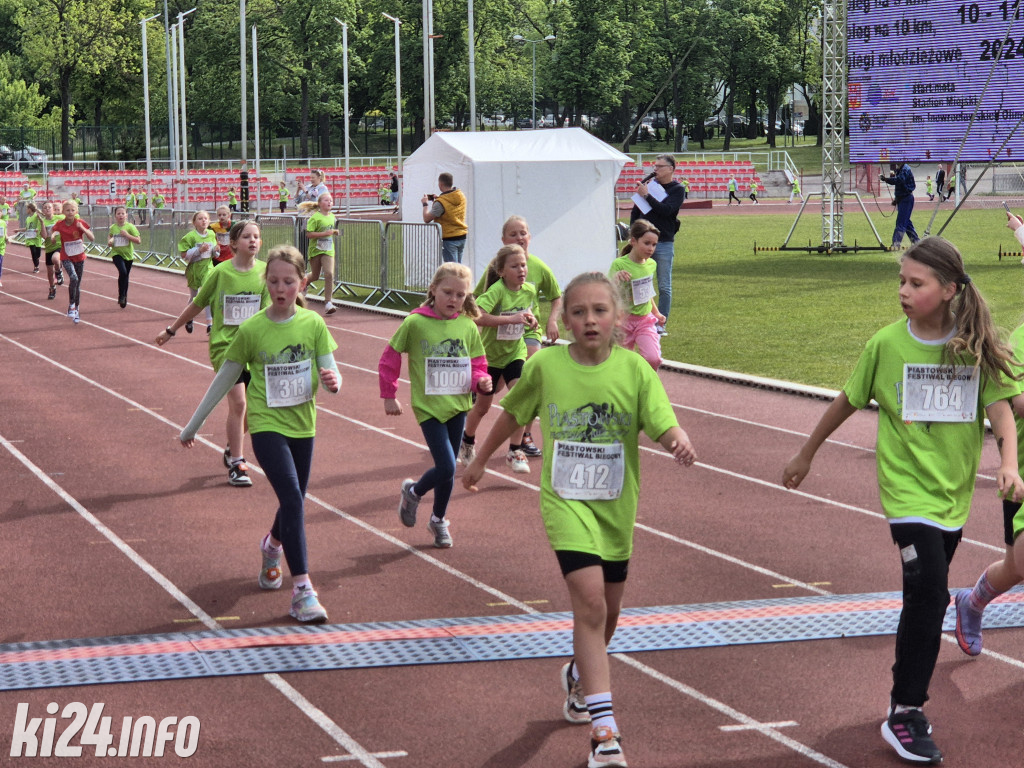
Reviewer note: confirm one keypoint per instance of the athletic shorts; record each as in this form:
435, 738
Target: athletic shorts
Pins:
510, 372
615, 571
1013, 521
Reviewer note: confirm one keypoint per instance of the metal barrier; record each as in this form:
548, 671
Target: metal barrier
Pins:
373, 261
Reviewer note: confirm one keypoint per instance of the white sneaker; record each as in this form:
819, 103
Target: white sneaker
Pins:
439, 529
329, 308
74, 317
517, 461
71, 310
467, 453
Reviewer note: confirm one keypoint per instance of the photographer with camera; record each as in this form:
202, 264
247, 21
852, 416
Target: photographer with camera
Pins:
449, 210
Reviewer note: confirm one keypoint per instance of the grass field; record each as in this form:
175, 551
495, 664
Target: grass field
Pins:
805, 317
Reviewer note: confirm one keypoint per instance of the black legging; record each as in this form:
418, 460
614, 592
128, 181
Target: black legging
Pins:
124, 267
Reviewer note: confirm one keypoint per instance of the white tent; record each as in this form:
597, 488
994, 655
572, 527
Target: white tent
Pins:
562, 181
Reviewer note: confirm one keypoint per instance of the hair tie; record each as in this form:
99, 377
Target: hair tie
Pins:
965, 280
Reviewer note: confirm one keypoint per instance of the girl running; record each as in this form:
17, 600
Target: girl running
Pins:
928, 450
51, 248
634, 272
3, 245
516, 231
504, 313
234, 291
446, 363
34, 234
321, 231
1006, 573
122, 239
284, 345
593, 399
196, 249
221, 229
72, 232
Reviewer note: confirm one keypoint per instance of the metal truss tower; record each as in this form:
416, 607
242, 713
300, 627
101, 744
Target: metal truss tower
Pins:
833, 65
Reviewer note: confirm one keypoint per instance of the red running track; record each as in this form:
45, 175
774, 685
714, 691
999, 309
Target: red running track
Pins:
111, 528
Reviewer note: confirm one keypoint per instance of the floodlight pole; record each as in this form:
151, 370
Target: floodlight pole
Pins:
521, 39
184, 117
344, 68
398, 87
145, 95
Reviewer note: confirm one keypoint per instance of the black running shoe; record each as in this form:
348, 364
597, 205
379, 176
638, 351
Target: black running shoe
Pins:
238, 475
910, 735
53, 293
188, 327
122, 301
529, 447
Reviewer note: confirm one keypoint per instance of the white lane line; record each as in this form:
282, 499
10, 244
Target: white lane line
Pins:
734, 714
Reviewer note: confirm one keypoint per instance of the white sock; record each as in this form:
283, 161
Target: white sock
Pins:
301, 582
269, 548
600, 708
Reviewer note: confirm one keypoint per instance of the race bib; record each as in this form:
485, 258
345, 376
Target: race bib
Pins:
74, 247
931, 394
588, 470
238, 309
30, 234
643, 289
3, 228
447, 375
511, 331
326, 244
120, 241
223, 238
288, 383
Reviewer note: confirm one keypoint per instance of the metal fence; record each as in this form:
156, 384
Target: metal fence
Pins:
373, 262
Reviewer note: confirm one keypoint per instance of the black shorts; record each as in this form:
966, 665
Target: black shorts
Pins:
1010, 509
615, 571
244, 378
510, 372
49, 259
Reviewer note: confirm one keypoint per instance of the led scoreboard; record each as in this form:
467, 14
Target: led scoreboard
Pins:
925, 76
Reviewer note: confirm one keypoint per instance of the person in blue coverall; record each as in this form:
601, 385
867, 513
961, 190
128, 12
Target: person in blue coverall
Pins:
902, 180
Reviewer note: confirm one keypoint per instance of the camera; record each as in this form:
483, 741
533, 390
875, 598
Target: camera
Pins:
430, 197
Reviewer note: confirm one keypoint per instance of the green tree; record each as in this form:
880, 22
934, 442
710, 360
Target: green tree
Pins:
65, 38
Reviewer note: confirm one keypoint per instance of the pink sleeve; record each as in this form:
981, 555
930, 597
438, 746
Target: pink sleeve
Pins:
388, 369
480, 369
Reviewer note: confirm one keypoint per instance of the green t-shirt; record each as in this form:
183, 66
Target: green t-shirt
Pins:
52, 246
641, 283
540, 274
285, 354
234, 296
926, 469
129, 201
320, 222
158, 201
283, 194
427, 340
192, 238
126, 251
34, 230
232, 198
607, 404
500, 300
3, 236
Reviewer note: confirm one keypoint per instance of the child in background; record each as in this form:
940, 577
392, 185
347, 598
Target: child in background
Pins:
634, 272
515, 231
753, 192
928, 450
196, 249
282, 196
795, 190
593, 399
1006, 573
51, 249
221, 229
72, 232
158, 200
321, 231
33, 234
285, 346
232, 200
122, 239
3, 246
234, 291
5, 208
504, 313
446, 364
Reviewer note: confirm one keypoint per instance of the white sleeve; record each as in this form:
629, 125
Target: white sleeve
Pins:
222, 383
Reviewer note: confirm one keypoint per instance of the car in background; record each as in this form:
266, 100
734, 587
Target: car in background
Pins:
6, 153
29, 155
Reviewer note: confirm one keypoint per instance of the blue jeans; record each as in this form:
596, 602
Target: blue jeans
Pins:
663, 255
286, 462
451, 250
443, 440
904, 208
